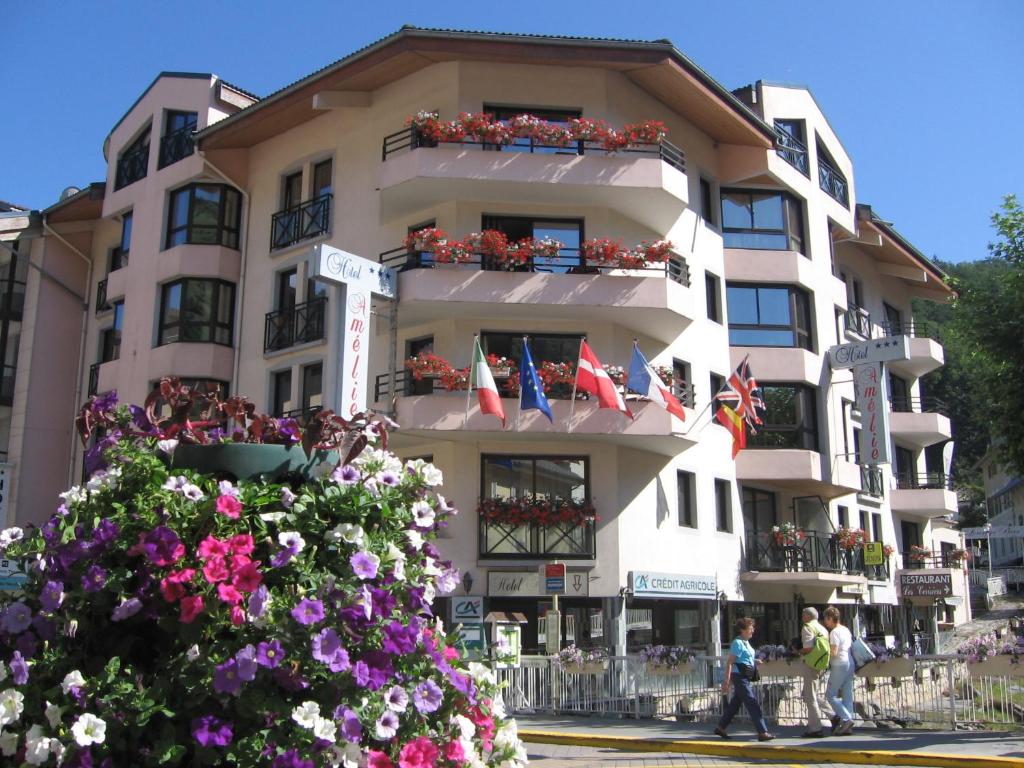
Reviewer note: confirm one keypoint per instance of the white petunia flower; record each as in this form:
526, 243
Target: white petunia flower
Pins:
10, 535
192, 653
507, 735
482, 673
8, 744
287, 499
74, 494
272, 517
12, 704
325, 728
71, 680
226, 488
291, 540
89, 729
349, 533
415, 538
192, 492
37, 746
166, 446
422, 514
306, 714
53, 713
430, 567
466, 728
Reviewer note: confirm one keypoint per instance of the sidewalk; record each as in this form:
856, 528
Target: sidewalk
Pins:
957, 749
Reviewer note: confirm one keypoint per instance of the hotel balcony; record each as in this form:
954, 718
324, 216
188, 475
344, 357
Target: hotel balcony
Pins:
293, 326
655, 301
926, 353
919, 421
795, 469
927, 494
812, 559
647, 183
439, 414
562, 541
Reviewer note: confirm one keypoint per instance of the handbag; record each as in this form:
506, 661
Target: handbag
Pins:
748, 672
861, 653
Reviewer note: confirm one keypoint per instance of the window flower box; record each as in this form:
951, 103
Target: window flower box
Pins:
781, 668
653, 669
586, 668
892, 667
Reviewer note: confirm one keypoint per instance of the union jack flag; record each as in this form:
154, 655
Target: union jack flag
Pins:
743, 394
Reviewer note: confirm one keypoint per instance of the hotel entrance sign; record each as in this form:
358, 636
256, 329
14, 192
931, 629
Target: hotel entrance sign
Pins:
883, 350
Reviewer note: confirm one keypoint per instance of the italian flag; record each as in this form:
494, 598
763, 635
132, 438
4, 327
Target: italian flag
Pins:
482, 381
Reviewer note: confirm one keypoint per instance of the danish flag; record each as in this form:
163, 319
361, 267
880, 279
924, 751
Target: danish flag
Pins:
592, 378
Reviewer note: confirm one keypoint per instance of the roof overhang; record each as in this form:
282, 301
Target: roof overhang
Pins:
84, 205
657, 67
897, 257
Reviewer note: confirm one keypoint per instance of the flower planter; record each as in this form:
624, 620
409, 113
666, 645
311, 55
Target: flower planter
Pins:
249, 461
501, 373
781, 668
660, 670
586, 668
900, 667
1000, 665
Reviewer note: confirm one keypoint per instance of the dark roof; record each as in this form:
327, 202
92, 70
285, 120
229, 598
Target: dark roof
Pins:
409, 31
87, 203
6, 207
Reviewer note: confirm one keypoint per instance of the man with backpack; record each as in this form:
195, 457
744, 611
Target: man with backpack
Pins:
815, 650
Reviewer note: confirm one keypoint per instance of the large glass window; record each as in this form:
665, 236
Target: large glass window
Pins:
197, 311
569, 232
768, 316
281, 391
759, 510
177, 143
110, 338
685, 482
790, 419
545, 477
204, 214
556, 116
723, 505
133, 162
555, 348
312, 386
761, 220
791, 144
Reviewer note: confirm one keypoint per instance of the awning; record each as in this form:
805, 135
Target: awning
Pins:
501, 617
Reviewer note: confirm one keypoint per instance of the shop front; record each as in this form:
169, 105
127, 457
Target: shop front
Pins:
924, 595
670, 609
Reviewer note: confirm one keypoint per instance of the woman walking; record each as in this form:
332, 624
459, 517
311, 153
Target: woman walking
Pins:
840, 672
739, 669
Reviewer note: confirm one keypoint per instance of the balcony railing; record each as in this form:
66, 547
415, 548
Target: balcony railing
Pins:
918, 405
569, 261
102, 305
291, 326
913, 328
567, 541
94, 379
916, 481
871, 482
833, 182
932, 559
792, 150
7, 384
410, 138
813, 553
176, 145
301, 222
301, 415
131, 167
858, 321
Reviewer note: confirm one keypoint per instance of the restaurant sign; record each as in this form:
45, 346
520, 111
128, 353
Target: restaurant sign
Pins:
926, 584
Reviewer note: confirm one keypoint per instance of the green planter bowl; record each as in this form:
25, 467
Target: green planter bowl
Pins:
250, 461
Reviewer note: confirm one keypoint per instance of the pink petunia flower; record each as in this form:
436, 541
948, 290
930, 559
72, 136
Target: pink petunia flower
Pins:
378, 760
191, 607
216, 570
229, 506
418, 753
247, 578
229, 594
212, 547
242, 544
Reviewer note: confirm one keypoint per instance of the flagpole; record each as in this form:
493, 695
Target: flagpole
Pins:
472, 373
572, 400
519, 413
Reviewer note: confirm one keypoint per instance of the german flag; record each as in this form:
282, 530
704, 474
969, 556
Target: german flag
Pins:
732, 421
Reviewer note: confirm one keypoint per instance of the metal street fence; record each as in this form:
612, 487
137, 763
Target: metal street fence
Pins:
940, 693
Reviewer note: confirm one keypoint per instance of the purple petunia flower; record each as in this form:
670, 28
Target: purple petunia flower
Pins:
52, 596
346, 475
364, 564
400, 639
27, 644
162, 546
246, 659
388, 478
211, 731
387, 726
94, 579
126, 609
16, 619
269, 655
463, 684
258, 601
291, 759
226, 678
327, 648
19, 669
351, 728
396, 699
427, 697
308, 612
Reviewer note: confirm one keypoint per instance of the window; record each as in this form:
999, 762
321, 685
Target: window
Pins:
791, 144
133, 162
312, 386
682, 384
723, 511
291, 190
790, 418
197, 311
846, 405
830, 179
717, 384
555, 347
569, 232
322, 178
712, 297
899, 394
893, 320
761, 220
843, 515
707, 203
768, 316
759, 510
864, 523
685, 492
204, 214
287, 288
556, 116
177, 143
281, 391
110, 338
544, 477
876, 527
119, 254
413, 348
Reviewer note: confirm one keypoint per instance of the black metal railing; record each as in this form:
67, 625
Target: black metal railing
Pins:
792, 150
833, 182
94, 379
102, 305
562, 540
913, 481
176, 146
131, 167
871, 482
932, 559
810, 552
410, 138
912, 328
686, 394
878, 572
311, 218
858, 321
299, 324
7, 384
569, 261
918, 405
301, 415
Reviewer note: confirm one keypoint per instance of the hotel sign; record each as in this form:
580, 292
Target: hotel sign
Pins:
869, 383
883, 350
674, 585
529, 584
926, 584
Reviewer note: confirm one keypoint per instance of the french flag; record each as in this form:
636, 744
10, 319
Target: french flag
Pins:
644, 381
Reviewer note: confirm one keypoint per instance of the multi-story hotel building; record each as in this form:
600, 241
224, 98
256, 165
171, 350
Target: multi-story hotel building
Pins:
773, 260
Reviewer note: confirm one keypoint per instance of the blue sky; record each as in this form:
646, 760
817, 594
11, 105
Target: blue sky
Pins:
925, 96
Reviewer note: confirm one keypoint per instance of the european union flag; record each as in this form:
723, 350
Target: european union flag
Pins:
531, 393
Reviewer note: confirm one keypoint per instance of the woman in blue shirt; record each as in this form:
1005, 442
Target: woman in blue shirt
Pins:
739, 667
